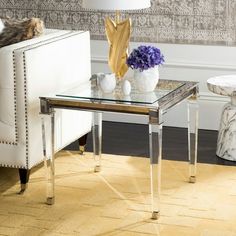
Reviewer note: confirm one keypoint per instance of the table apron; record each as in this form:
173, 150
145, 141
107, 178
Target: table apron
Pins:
48, 104
169, 104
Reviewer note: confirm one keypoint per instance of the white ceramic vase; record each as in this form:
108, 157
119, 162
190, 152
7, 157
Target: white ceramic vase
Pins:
146, 81
107, 82
126, 87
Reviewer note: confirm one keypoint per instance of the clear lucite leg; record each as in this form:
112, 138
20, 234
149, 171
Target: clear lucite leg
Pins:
192, 137
155, 152
97, 139
49, 161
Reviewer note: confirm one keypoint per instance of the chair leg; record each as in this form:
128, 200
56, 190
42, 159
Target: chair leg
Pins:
82, 143
24, 179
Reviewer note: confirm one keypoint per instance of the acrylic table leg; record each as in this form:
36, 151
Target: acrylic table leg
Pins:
155, 152
97, 139
49, 162
44, 147
192, 137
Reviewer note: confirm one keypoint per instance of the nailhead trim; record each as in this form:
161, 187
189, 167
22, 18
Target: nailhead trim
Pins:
15, 97
26, 113
8, 143
12, 166
15, 105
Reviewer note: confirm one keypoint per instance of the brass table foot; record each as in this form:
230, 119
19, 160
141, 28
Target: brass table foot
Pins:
155, 215
50, 200
97, 168
192, 179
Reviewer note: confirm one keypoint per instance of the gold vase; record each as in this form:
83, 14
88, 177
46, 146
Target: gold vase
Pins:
118, 36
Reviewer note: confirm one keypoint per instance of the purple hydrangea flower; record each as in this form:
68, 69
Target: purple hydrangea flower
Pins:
145, 57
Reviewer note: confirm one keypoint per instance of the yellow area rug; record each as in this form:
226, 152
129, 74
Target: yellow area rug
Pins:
116, 201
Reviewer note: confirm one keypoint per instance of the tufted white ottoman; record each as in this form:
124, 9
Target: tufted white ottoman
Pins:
226, 143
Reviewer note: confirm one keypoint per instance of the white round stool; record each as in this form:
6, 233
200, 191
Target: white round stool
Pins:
226, 143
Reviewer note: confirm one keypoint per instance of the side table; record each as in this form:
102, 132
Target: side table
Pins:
153, 105
226, 143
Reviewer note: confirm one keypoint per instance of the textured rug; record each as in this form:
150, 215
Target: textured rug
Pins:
116, 201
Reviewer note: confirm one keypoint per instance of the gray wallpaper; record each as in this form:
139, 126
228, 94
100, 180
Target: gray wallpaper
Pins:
174, 21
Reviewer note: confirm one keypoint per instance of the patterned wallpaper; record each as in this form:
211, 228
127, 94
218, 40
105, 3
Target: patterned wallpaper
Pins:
174, 21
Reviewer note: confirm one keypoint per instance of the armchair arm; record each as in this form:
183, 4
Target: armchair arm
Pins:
34, 68
8, 82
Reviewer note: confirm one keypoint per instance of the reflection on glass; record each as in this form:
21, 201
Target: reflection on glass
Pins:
92, 91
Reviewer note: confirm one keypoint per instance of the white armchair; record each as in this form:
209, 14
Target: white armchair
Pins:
33, 68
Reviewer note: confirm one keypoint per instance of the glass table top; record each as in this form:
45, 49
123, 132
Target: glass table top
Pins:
92, 91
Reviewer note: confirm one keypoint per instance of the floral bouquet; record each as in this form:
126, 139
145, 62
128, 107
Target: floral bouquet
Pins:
145, 61
145, 57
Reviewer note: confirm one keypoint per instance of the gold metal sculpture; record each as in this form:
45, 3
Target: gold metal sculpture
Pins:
118, 35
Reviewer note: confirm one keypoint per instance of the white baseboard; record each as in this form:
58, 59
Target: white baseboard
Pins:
179, 64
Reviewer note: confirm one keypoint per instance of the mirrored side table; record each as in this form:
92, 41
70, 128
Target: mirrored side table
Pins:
154, 105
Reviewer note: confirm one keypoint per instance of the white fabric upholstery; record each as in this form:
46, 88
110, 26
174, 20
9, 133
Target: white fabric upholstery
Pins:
37, 67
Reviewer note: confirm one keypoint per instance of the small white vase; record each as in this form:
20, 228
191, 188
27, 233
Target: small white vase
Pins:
126, 87
107, 82
146, 81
